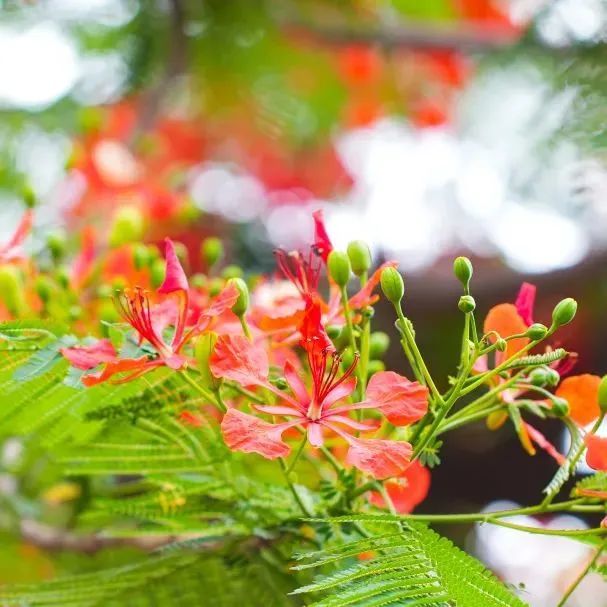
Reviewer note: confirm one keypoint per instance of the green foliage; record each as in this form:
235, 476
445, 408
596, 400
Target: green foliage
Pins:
536, 360
594, 482
411, 566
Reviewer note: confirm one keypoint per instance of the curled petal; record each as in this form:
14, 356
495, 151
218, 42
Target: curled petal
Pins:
296, 384
505, 320
596, 456
402, 401
582, 394
543, 443
525, 302
243, 432
239, 360
314, 338
340, 391
133, 367
88, 357
365, 296
224, 301
175, 278
379, 458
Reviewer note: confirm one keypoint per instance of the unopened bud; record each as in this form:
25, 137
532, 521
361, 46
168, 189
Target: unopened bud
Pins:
333, 331
11, 289
564, 312
603, 394
203, 349
127, 226
280, 383
56, 245
157, 272
242, 303
215, 286
466, 304
211, 250
537, 331
375, 366
141, 256
232, 271
44, 288
553, 377
496, 419
29, 196
540, 376
343, 338
462, 268
378, 344
501, 344
199, 281
360, 257
339, 268
560, 407
392, 285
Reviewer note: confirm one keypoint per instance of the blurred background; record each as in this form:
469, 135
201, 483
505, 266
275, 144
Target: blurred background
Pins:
429, 129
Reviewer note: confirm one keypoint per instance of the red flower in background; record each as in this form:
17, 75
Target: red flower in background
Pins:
12, 249
407, 490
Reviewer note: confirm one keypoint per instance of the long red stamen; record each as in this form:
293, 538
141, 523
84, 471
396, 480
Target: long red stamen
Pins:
303, 273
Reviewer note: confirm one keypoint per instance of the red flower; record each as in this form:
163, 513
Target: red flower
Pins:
582, 394
316, 410
596, 456
149, 321
407, 490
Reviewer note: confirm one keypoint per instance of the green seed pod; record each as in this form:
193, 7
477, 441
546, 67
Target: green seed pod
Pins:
339, 268
560, 407
537, 331
564, 312
211, 250
242, 303
360, 257
466, 304
462, 268
232, 271
378, 344
540, 376
603, 394
11, 290
199, 281
141, 256
553, 377
392, 285
203, 349
128, 225
157, 272
501, 345
375, 366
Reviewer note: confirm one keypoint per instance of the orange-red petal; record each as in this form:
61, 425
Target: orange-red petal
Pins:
379, 458
505, 320
582, 394
596, 456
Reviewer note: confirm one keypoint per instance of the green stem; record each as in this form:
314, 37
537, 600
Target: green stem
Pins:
203, 391
297, 455
582, 575
245, 327
292, 488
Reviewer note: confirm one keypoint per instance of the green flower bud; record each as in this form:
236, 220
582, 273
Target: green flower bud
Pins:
232, 271
501, 345
378, 344
537, 331
157, 272
462, 268
199, 281
553, 377
540, 376
466, 304
560, 407
375, 366
74, 312
242, 303
360, 257
11, 290
62, 276
29, 196
343, 338
333, 331
339, 268
56, 245
203, 349
280, 383
564, 312
128, 226
107, 311
211, 250
44, 288
603, 394
215, 286
141, 256
347, 358
392, 285
104, 291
